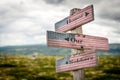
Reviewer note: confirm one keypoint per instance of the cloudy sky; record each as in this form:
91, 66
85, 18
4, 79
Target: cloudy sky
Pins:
24, 22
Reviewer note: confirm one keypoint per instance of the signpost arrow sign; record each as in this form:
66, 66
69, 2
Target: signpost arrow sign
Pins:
76, 41
81, 17
77, 61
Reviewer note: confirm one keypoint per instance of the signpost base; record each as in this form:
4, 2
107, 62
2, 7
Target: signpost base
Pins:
78, 75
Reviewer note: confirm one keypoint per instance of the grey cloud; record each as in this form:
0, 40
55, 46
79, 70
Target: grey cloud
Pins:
117, 29
117, 32
10, 13
3, 12
111, 15
110, 10
54, 1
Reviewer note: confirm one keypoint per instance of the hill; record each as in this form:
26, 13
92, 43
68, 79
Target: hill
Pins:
44, 50
30, 49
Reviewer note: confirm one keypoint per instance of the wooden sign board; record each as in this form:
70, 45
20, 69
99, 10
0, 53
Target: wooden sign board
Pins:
76, 41
76, 62
79, 18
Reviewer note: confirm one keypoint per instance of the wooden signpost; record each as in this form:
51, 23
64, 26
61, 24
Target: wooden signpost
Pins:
77, 41
80, 17
76, 62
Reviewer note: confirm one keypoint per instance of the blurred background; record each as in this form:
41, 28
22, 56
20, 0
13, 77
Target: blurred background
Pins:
24, 54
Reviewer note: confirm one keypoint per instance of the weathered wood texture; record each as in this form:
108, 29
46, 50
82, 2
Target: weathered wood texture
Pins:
78, 74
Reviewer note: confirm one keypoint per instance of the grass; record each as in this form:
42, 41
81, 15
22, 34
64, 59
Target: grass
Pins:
19, 67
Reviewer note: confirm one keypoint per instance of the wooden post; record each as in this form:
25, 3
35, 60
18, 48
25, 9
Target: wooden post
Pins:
78, 74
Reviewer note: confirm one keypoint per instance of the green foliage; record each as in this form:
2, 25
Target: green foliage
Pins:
108, 69
19, 67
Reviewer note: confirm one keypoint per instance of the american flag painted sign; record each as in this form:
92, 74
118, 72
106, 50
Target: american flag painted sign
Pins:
77, 61
81, 17
76, 41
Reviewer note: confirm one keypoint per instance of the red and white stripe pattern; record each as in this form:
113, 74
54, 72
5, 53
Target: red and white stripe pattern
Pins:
79, 18
83, 60
80, 41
